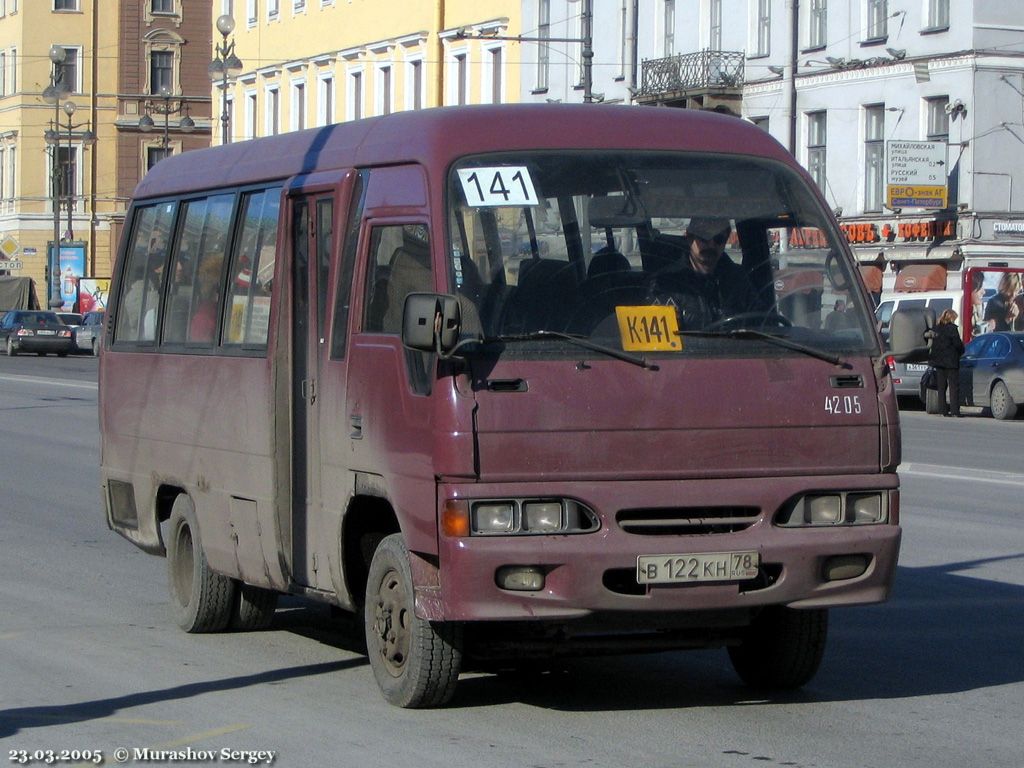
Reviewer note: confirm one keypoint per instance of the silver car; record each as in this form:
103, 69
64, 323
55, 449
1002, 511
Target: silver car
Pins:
992, 373
89, 332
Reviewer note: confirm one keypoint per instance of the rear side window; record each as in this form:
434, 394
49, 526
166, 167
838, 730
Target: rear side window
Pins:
194, 294
251, 277
143, 274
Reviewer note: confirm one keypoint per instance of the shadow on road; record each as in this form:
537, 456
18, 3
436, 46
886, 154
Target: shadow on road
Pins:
941, 632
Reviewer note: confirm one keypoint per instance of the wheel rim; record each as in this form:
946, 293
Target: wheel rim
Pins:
391, 622
998, 400
184, 564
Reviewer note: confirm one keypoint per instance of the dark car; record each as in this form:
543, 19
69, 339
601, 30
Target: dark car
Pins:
23, 330
72, 320
87, 337
992, 373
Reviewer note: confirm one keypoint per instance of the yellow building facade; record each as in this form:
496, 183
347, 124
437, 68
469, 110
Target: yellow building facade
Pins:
309, 63
45, 145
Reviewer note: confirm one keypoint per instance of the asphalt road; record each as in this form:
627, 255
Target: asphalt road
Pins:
90, 659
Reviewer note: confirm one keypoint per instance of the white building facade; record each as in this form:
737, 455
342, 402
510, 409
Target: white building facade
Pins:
837, 82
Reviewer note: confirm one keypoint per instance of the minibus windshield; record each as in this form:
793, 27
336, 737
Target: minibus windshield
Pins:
658, 253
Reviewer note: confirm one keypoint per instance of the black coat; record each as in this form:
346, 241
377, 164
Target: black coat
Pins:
946, 346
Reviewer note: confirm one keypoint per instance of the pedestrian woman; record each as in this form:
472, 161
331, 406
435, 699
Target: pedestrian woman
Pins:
945, 359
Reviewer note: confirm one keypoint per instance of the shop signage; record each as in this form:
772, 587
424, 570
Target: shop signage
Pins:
904, 231
915, 174
10, 265
1008, 228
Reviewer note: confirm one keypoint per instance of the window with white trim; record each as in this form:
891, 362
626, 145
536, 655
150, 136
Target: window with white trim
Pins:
817, 33
878, 19
816, 137
937, 128
250, 115
325, 100
874, 157
937, 16
414, 83
272, 104
543, 50
669, 20
715, 37
65, 5
354, 95
763, 28
298, 105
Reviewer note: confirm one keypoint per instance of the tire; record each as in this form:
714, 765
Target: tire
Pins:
931, 401
201, 600
782, 649
11, 351
416, 663
1001, 402
253, 607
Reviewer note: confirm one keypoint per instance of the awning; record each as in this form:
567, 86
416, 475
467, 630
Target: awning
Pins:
872, 277
921, 277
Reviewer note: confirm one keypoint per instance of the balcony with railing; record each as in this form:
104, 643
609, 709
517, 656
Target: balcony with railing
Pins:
705, 78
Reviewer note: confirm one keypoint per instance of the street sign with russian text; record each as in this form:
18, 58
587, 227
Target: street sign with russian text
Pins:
915, 174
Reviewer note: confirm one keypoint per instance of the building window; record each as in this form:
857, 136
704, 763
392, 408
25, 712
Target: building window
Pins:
816, 147
878, 18
325, 102
273, 8
298, 6
163, 6
762, 46
67, 178
818, 31
761, 122
65, 5
414, 85
461, 73
161, 71
543, 50
250, 115
68, 70
298, 119
670, 27
3, 73
273, 116
14, 70
252, 13
715, 39
938, 14
384, 91
355, 95
155, 154
874, 157
938, 118
495, 59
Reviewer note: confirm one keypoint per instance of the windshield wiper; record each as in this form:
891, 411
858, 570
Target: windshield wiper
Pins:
579, 341
779, 341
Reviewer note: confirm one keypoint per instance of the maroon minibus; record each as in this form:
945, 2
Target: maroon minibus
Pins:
510, 382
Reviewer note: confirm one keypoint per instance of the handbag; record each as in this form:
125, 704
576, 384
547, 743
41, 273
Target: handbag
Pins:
929, 379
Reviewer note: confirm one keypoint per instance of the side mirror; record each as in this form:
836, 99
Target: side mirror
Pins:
907, 343
431, 322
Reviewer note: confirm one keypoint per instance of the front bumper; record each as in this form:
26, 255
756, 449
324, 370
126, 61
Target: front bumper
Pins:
589, 574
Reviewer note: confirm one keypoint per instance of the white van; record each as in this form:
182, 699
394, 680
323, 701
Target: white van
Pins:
907, 376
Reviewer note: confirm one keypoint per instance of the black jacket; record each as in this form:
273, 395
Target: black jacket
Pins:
946, 346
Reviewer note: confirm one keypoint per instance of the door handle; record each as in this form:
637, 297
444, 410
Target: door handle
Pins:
309, 390
356, 423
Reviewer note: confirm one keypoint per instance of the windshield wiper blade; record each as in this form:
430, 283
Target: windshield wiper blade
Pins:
579, 341
779, 341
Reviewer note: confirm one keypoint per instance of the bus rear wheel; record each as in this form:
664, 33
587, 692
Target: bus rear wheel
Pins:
201, 600
416, 663
253, 607
782, 648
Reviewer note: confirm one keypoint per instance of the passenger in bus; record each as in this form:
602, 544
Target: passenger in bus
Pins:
203, 325
719, 281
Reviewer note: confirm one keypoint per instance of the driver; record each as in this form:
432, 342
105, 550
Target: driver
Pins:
722, 283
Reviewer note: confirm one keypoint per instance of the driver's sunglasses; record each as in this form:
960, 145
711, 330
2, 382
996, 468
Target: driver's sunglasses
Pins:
719, 239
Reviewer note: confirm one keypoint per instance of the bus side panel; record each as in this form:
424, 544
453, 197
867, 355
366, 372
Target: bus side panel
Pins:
218, 450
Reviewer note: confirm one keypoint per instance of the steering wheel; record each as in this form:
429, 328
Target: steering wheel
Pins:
768, 318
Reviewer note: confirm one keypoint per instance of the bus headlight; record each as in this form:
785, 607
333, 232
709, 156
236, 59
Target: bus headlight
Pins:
516, 517
829, 509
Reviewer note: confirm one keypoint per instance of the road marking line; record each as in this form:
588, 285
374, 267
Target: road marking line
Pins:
192, 739
41, 380
959, 473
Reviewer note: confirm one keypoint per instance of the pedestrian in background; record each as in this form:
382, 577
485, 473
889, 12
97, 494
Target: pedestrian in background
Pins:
947, 346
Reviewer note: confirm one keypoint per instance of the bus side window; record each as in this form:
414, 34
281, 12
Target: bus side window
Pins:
251, 277
140, 294
400, 265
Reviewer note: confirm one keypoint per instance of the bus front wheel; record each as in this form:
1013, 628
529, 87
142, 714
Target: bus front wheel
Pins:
782, 648
202, 601
416, 663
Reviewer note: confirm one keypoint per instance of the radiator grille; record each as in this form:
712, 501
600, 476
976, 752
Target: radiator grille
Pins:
692, 521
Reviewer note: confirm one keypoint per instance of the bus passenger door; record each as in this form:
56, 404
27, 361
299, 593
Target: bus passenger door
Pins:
312, 238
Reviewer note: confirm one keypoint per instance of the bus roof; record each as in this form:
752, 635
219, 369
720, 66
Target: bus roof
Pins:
435, 137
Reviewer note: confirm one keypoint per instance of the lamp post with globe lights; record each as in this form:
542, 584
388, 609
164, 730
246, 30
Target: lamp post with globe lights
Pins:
224, 65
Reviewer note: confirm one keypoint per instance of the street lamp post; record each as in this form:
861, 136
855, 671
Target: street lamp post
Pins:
224, 65
167, 105
53, 94
88, 138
